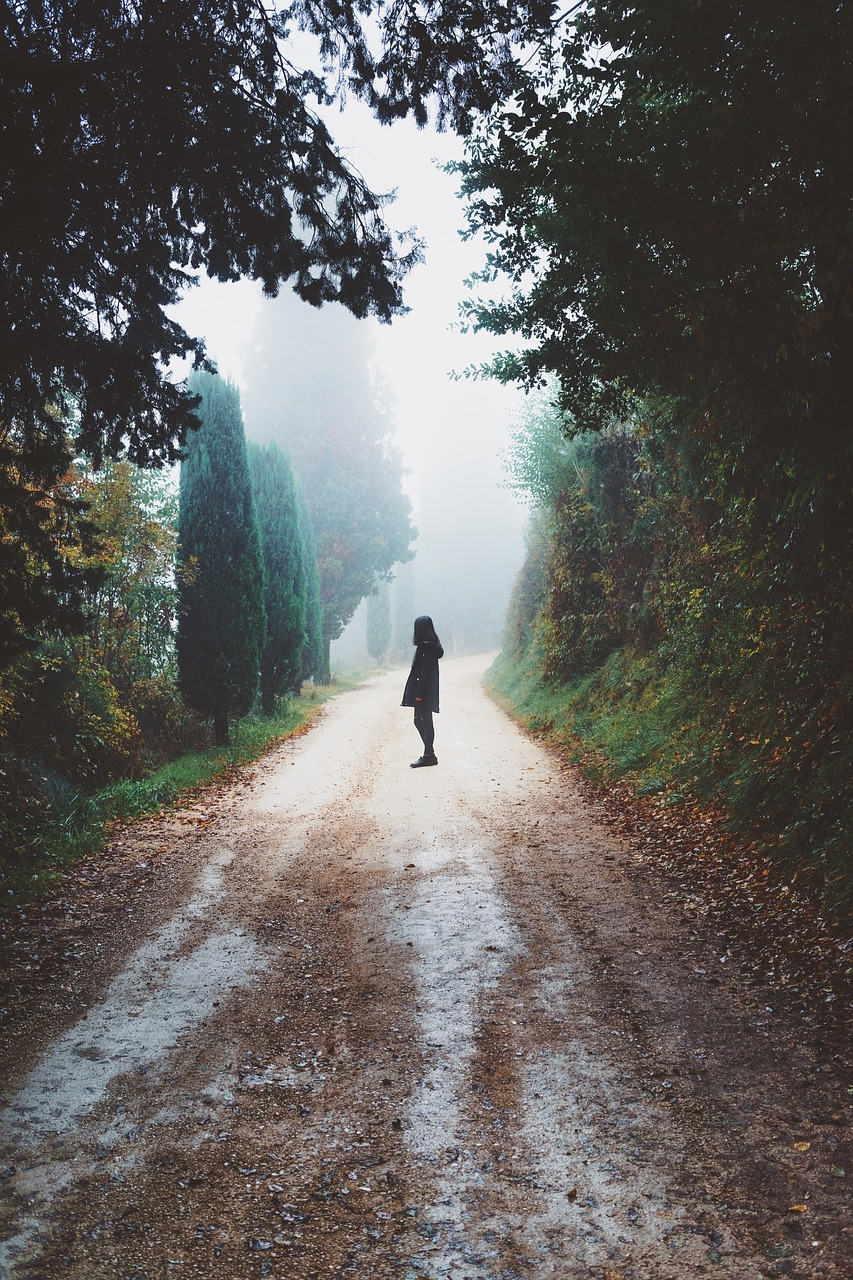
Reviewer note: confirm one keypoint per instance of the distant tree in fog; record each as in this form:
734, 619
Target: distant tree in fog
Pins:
312, 654
469, 544
311, 391
404, 608
221, 616
379, 621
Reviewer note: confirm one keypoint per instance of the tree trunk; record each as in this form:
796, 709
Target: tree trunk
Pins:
268, 692
326, 673
220, 727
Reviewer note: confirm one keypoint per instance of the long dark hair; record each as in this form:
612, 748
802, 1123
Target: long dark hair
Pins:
424, 630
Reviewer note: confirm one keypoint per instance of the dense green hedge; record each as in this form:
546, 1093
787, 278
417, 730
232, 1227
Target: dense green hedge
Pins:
695, 643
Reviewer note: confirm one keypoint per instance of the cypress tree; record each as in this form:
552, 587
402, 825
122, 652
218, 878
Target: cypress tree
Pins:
379, 621
281, 543
221, 619
313, 653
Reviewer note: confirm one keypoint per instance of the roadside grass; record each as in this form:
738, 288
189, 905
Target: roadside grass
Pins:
81, 822
627, 720
636, 719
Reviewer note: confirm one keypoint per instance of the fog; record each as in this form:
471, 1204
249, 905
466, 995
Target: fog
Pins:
450, 432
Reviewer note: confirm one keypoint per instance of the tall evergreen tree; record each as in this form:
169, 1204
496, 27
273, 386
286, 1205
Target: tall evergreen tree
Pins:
313, 391
221, 618
313, 653
379, 621
281, 544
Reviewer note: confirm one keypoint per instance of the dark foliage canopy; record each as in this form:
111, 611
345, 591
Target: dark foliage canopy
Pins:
671, 192
221, 617
143, 143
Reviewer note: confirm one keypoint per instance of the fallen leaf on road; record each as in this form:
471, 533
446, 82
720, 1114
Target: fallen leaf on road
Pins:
802, 1146
798, 1208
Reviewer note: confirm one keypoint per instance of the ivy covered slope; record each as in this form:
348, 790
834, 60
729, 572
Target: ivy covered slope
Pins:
668, 196
656, 634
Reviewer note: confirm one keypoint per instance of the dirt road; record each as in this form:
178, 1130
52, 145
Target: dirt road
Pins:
352, 1019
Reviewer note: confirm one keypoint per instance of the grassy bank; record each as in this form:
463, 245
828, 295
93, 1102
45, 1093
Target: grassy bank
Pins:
635, 718
80, 824
624, 720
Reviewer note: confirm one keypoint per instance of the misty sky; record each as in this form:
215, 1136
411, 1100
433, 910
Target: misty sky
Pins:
450, 433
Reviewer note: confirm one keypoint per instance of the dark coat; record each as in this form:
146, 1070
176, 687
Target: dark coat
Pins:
423, 677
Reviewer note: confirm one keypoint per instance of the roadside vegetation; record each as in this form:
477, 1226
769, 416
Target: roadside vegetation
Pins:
195, 636
77, 823
667, 637
671, 226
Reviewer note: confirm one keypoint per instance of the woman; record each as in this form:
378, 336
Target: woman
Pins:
421, 690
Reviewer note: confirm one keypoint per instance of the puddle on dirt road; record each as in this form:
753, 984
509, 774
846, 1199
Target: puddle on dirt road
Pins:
164, 991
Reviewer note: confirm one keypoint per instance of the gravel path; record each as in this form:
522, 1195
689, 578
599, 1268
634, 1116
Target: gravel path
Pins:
345, 1018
